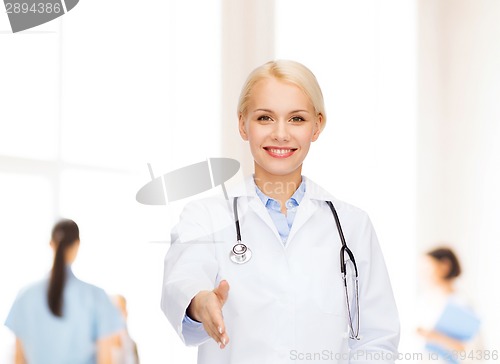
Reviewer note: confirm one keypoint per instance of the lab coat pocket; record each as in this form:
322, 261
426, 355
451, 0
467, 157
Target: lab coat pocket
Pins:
326, 283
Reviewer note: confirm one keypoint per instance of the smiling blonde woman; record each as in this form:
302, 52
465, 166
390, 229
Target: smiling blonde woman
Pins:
288, 301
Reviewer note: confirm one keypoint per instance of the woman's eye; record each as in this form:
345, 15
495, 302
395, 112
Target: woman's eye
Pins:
264, 118
297, 119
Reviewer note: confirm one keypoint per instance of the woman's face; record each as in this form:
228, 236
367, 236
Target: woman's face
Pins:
436, 270
280, 124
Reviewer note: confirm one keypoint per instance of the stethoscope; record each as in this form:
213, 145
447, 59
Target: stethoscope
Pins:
241, 254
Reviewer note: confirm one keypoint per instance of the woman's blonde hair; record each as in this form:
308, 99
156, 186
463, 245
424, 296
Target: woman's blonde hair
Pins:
285, 70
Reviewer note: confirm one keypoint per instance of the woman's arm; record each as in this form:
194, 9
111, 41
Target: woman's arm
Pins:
190, 268
441, 340
104, 349
19, 356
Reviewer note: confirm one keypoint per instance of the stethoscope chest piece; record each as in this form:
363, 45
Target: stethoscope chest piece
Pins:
240, 254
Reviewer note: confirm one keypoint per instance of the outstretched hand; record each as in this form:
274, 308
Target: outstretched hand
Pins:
206, 307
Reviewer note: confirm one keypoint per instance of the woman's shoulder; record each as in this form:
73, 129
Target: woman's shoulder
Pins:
88, 288
220, 200
317, 192
87, 297
32, 290
30, 299
461, 298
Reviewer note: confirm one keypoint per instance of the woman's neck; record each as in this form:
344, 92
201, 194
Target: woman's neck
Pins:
278, 187
447, 286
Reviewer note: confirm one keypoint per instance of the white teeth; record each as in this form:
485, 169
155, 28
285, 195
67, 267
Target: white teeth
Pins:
280, 151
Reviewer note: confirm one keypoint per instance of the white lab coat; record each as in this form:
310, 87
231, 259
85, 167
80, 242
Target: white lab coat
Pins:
287, 304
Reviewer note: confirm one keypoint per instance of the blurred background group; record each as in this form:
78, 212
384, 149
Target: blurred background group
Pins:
411, 91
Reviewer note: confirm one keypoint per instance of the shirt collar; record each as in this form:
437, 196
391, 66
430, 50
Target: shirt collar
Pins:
246, 188
293, 201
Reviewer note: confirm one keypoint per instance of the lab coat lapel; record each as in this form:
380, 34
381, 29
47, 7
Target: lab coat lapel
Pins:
260, 210
246, 191
309, 205
305, 210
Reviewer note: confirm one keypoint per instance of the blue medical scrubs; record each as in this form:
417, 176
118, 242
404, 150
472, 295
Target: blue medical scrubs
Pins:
88, 315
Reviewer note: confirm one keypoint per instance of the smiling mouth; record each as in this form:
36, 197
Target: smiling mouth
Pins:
280, 152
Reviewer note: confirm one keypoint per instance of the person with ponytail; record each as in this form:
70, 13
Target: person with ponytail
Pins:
61, 319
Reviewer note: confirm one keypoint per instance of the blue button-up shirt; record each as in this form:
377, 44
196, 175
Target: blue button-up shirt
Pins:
283, 222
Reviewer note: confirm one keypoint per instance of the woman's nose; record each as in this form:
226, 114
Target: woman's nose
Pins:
280, 131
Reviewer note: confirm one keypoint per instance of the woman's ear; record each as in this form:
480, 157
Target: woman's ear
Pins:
241, 124
317, 127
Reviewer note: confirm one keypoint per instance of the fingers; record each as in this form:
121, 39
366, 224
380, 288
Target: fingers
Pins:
206, 307
217, 333
214, 323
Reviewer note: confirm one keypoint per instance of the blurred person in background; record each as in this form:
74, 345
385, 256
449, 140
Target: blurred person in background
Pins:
124, 348
61, 319
449, 325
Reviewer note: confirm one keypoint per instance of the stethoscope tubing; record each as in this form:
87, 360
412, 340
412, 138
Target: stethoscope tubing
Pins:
345, 248
241, 254
236, 219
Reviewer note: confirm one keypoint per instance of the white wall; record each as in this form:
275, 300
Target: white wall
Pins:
458, 131
247, 42
114, 87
